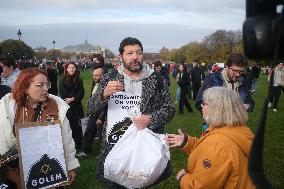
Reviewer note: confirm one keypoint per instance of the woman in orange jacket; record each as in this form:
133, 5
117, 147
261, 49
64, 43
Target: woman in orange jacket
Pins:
219, 158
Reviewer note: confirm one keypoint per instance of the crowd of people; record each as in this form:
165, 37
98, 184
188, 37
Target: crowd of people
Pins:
223, 96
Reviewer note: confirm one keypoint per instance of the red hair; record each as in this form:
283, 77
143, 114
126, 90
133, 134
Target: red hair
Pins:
22, 83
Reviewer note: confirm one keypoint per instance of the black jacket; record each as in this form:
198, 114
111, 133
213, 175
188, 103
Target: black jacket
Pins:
184, 83
4, 89
52, 77
76, 91
196, 74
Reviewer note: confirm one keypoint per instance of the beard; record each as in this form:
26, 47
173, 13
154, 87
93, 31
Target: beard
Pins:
132, 68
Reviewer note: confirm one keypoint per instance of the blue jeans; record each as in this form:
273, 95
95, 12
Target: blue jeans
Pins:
178, 94
254, 84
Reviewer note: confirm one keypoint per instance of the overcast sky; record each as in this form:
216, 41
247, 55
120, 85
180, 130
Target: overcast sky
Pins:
157, 23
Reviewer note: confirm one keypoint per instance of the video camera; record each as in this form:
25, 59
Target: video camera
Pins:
263, 36
263, 30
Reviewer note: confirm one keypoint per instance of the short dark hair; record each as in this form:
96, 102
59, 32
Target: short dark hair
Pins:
237, 59
8, 61
100, 58
99, 67
129, 41
157, 63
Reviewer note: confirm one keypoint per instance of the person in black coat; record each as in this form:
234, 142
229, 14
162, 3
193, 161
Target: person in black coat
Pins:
196, 76
162, 70
255, 71
4, 89
52, 77
183, 81
71, 89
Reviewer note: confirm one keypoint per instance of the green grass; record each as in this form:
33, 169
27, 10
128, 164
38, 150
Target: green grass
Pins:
190, 123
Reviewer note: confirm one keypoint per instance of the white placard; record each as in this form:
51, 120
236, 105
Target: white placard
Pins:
42, 156
118, 119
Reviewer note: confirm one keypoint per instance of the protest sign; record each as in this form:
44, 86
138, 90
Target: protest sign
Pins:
118, 117
41, 155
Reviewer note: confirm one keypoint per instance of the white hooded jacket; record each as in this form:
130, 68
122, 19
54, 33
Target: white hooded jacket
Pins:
8, 140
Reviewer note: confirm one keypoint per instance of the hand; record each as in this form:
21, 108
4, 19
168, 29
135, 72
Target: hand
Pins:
111, 88
180, 173
72, 176
99, 122
142, 121
69, 100
175, 140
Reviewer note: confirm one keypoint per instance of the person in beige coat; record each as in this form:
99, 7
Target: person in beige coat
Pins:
278, 84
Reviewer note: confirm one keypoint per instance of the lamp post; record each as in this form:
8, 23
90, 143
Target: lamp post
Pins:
53, 42
19, 34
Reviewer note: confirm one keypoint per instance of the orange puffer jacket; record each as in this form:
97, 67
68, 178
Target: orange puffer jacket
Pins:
219, 159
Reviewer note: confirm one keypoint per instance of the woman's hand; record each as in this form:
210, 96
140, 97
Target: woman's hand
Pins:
175, 140
69, 100
72, 176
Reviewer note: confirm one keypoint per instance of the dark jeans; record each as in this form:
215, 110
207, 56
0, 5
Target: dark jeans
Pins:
195, 88
91, 130
76, 131
184, 102
274, 96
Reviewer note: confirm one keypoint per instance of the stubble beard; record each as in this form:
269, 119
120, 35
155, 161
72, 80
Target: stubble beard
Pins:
131, 68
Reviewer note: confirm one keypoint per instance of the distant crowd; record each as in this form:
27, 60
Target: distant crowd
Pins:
222, 93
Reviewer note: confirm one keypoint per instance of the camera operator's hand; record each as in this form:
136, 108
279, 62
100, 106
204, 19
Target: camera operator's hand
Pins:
111, 88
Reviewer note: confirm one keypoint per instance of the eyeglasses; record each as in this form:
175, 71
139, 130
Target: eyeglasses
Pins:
42, 84
237, 71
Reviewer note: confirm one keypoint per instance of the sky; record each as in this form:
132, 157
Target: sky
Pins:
157, 23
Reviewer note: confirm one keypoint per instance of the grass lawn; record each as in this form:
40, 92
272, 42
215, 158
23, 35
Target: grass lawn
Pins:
190, 123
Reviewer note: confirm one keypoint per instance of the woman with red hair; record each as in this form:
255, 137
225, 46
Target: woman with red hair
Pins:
30, 102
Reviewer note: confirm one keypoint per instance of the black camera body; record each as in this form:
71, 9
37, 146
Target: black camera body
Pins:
263, 30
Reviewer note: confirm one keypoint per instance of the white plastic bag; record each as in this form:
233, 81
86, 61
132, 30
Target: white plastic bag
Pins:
138, 158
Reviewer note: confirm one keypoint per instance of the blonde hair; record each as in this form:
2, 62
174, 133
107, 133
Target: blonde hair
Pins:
225, 107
